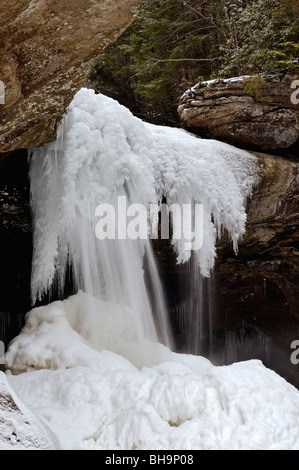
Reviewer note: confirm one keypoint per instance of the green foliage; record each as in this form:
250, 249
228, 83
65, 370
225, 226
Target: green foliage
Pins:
259, 37
173, 42
253, 86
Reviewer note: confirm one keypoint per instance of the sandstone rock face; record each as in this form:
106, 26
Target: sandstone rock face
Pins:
47, 52
256, 113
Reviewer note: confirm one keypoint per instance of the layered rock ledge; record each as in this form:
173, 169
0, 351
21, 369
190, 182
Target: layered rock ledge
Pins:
258, 113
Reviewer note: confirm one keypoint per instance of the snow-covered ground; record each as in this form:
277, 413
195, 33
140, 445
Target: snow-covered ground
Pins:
92, 398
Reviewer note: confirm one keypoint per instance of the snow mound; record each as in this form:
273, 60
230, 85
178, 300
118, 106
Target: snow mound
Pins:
67, 334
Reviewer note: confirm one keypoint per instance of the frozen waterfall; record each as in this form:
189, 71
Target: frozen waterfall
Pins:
104, 153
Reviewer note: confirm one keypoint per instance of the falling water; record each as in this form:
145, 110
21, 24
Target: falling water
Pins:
103, 153
191, 304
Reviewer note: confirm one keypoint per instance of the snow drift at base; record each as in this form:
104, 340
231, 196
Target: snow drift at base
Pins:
100, 400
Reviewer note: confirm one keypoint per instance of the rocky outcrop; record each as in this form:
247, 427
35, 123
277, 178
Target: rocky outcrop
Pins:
47, 52
249, 112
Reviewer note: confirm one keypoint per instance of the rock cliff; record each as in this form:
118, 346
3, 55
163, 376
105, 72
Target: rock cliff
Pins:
47, 52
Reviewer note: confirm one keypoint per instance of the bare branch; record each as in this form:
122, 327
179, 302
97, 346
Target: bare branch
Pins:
156, 61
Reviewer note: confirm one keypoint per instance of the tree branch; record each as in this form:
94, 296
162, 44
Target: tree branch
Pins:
156, 61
